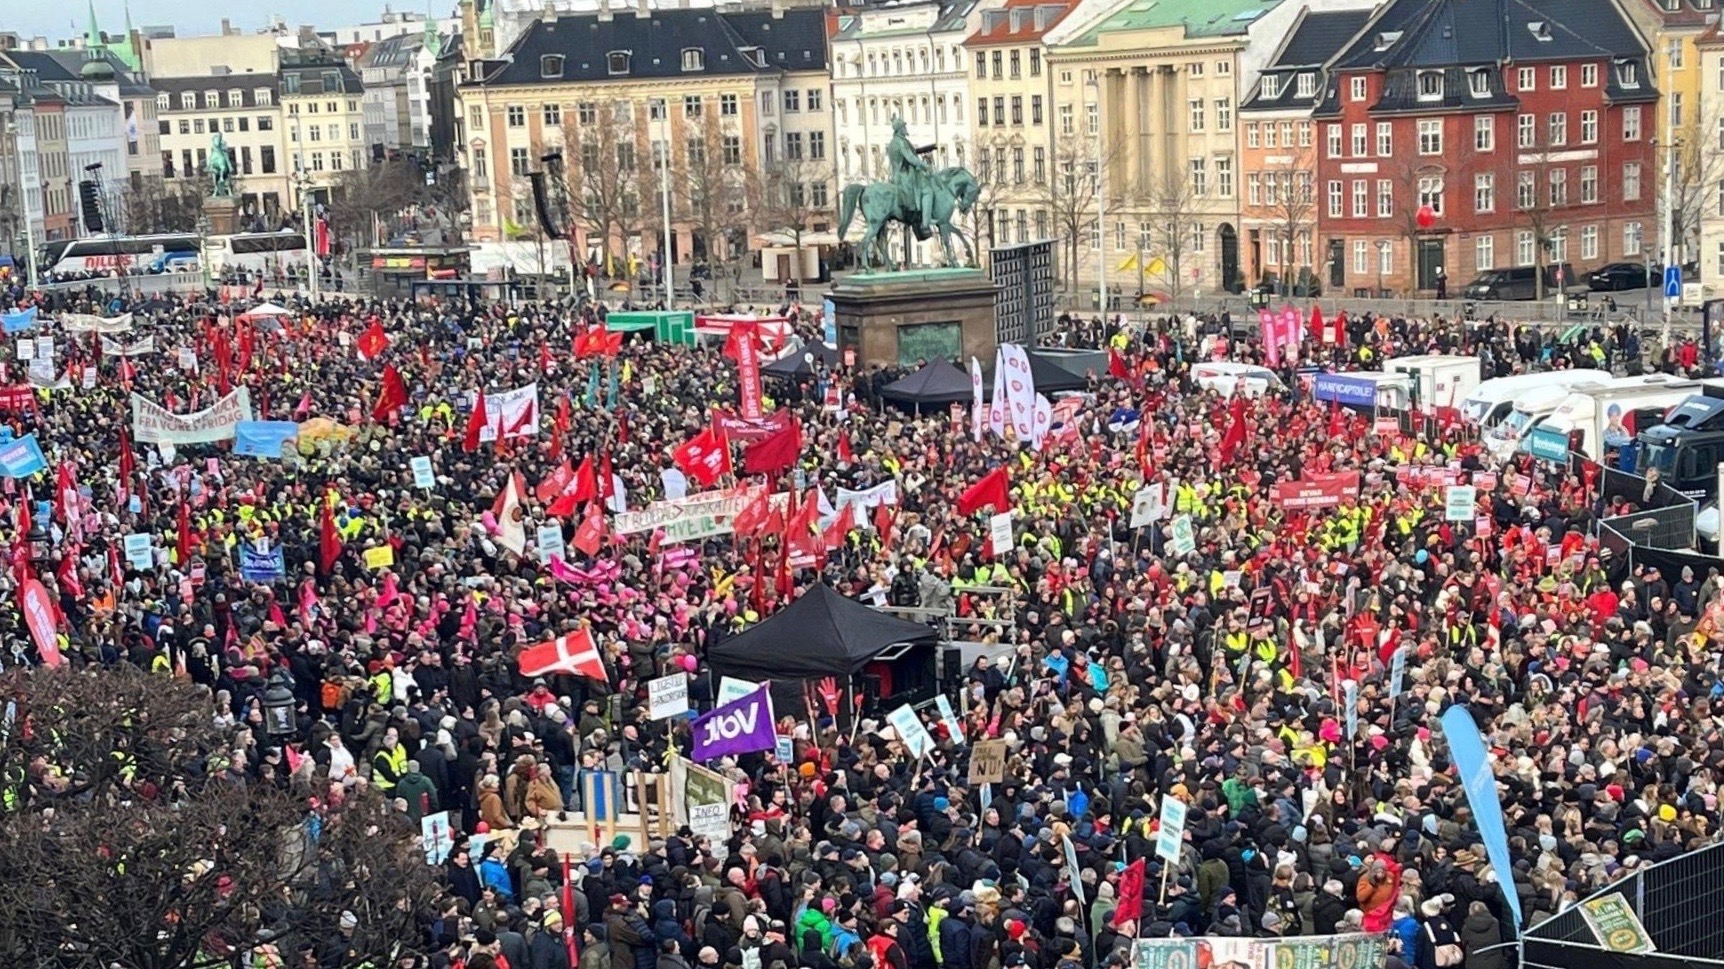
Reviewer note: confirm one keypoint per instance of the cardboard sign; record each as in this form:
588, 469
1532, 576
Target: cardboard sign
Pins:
730, 689
1148, 505
947, 717
381, 557
1459, 503
1000, 533
1184, 539
988, 762
139, 555
1171, 833
911, 731
667, 696
422, 474
550, 542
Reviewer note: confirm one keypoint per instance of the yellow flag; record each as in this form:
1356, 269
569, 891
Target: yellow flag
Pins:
1156, 267
1127, 264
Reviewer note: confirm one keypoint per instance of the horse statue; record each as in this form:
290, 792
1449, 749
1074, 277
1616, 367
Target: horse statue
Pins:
953, 191
220, 169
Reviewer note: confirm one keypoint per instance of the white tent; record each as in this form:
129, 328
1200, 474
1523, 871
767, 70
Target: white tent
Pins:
266, 309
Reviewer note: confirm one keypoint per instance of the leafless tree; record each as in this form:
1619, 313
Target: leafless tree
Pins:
1698, 169
1173, 202
159, 205
793, 196
1069, 194
994, 179
709, 194
604, 176
1290, 208
134, 842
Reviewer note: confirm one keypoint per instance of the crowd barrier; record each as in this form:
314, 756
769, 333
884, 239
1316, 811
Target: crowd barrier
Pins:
1352, 951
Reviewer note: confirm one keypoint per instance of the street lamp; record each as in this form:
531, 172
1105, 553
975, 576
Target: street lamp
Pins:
302, 181
664, 201
278, 708
1383, 246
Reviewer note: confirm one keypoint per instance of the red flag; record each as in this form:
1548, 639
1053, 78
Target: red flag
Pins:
786, 583
1117, 367
560, 426
329, 540
774, 452
994, 489
373, 341
840, 528
590, 534
1130, 907
753, 515
128, 463
1235, 434
607, 477
1336, 425
569, 913
1143, 448
564, 506
802, 532
544, 358
183, 551
322, 237
391, 397
554, 483
1316, 324
475, 423
68, 573
883, 521
1341, 330
622, 428
65, 493
276, 615
757, 591
704, 457
613, 344
569, 653
845, 454
586, 482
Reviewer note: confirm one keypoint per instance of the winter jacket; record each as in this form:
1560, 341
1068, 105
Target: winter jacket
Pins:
1478, 933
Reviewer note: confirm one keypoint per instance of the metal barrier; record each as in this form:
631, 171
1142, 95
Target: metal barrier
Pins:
1537, 312
1677, 903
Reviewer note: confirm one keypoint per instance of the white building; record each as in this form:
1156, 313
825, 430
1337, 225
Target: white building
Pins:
95, 122
397, 102
906, 61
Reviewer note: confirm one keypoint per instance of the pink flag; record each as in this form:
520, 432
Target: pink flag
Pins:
304, 409
390, 591
1269, 328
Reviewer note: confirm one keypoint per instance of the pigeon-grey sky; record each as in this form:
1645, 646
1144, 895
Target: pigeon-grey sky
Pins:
59, 21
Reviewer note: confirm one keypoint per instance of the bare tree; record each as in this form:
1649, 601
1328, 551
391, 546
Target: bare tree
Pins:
141, 841
709, 194
1698, 170
793, 196
1173, 202
994, 181
604, 176
1069, 194
158, 205
1290, 207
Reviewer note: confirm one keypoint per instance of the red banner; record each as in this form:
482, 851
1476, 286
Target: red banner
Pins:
17, 398
38, 611
742, 429
747, 369
1317, 491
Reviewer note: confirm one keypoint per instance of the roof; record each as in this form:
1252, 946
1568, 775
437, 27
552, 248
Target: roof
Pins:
69, 65
655, 44
1688, 13
1200, 18
946, 17
247, 84
1315, 38
313, 79
1019, 20
1443, 33
820, 634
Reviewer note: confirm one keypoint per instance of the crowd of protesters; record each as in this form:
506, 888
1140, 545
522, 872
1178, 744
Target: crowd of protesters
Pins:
1133, 673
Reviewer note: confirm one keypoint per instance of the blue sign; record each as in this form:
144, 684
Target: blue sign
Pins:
263, 439
1468, 750
1348, 391
18, 321
261, 566
829, 322
1673, 282
21, 458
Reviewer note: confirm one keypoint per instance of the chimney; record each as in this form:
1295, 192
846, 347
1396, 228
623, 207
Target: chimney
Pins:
605, 10
644, 8
777, 9
226, 27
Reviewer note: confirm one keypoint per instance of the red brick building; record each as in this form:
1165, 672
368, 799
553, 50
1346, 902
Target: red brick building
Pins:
1530, 137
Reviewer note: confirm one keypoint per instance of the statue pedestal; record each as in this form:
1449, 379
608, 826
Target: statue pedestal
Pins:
222, 215
920, 314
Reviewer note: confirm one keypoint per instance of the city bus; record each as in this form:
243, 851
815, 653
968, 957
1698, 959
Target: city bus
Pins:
270, 253
129, 254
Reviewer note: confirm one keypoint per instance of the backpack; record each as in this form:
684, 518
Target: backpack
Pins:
334, 695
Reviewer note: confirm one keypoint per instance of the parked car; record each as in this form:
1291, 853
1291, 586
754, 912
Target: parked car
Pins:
1614, 276
1520, 282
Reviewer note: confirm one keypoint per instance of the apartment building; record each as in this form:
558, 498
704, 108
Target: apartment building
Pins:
323, 119
245, 109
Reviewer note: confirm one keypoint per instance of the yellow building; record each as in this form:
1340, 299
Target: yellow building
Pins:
736, 100
323, 121
1012, 125
1152, 92
1688, 116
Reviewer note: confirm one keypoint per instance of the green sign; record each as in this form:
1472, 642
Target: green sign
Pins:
1548, 444
1164, 954
1330, 952
1614, 922
1184, 540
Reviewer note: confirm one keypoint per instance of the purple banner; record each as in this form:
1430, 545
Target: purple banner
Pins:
742, 726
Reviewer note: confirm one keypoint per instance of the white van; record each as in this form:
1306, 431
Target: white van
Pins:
1492, 401
1225, 376
1598, 418
1528, 411
1438, 380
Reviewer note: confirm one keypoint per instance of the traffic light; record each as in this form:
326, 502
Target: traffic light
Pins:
90, 199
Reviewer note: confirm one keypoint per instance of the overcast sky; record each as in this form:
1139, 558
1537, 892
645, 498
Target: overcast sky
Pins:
58, 21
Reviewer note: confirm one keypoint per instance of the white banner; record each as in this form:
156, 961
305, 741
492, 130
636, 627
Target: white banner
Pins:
87, 323
513, 412
136, 348
721, 506
997, 417
154, 424
1044, 419
978, 417
884, 493
1020, 391
667, 696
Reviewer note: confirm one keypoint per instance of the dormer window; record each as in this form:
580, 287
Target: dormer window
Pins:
1479, 82
551, 66
693, 59
617, 61
1627, 75
1271, 86
1307, 85
1430, 85
1386, 39
1540, 31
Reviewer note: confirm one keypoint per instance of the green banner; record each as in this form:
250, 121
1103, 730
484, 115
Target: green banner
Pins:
1164, 954
1613, 920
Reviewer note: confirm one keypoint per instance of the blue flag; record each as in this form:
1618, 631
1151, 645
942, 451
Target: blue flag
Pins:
21, 458
1468, 749
18, 321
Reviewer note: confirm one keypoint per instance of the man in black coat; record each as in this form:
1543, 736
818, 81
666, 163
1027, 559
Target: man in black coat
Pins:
548, 949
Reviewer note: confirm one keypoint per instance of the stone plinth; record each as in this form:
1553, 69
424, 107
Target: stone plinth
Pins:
223, 216
900, 317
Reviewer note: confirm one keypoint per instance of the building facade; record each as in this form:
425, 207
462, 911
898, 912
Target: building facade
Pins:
397, 73
58, 191
1530, 145
245, 108
324, 121
1012, 123
725, 99
1688, 116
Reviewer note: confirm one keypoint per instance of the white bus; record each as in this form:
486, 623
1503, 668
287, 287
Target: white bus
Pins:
270, 253
128, 254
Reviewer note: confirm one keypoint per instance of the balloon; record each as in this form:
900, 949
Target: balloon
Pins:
1426, 217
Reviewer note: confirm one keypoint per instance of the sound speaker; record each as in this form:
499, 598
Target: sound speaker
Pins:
91, 203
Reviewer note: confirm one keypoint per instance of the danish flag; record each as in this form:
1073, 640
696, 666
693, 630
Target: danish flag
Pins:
569, 653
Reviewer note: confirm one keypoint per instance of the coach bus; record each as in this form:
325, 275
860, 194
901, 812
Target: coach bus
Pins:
127, 254
269, 253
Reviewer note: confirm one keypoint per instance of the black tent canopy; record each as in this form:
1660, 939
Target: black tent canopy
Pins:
821, 634
1050, 377
938, 382
797, 363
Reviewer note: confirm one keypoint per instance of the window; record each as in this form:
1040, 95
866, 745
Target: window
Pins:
1254, 190
1304, 134
1000, 111
317, 161
1361, 198
1589, 242
693, 59
1673, 53
1251, 134
1385, 198
1430, 85
1558, 77
265, 123
1199, 168
1557, 127
1358, 140
792, 101
1361, 257
1036, 110
1035, 62
1631, 239
1224, 177
335, 161
519, 166
1525, 190
1589, 127
1091, 118
186, 127
480, 169
997, 61
1269, 134
1015, 71
1588, 184
981, 65
244, 124
1430, 136
1223, 114
1431, 192
266, 159
550, 66
767, 100
1484, 132
1720, 195
1335, 199
1675, 109
1630, 181
517, 116
617, 62
982, 112
1195, 105
1559, 244
625, 156
1526, 131
188, 101
1040, 162
1484, 253
1066, 125
1484, 192
1558, 185
1332, 137
1479, 83
1271, 87
727, 105
1017, 110
1589, 75
812, 99
1222, 69
353, 131
1523, 251
817, 146
1386, 259
731, 146
1385, 139
1305, 86
1526, 79
1357, 88
1627, 74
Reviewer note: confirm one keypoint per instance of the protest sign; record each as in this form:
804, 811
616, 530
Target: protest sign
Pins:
422, 474
88, 323
154, 424
263, 439
21, 457
1000, 533
667, 696
1316, 491
513, 413
381, 557
139, 555
1147, 505
261, 565
1618, 928
1184, 540
910, 730
134, 348
987, 762
1459, 503
954, 728
549, 539
437, 837
1170, 834
730, 688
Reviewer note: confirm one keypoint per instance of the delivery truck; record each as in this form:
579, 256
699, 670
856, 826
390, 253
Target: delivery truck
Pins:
1437, 381
1603, 419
